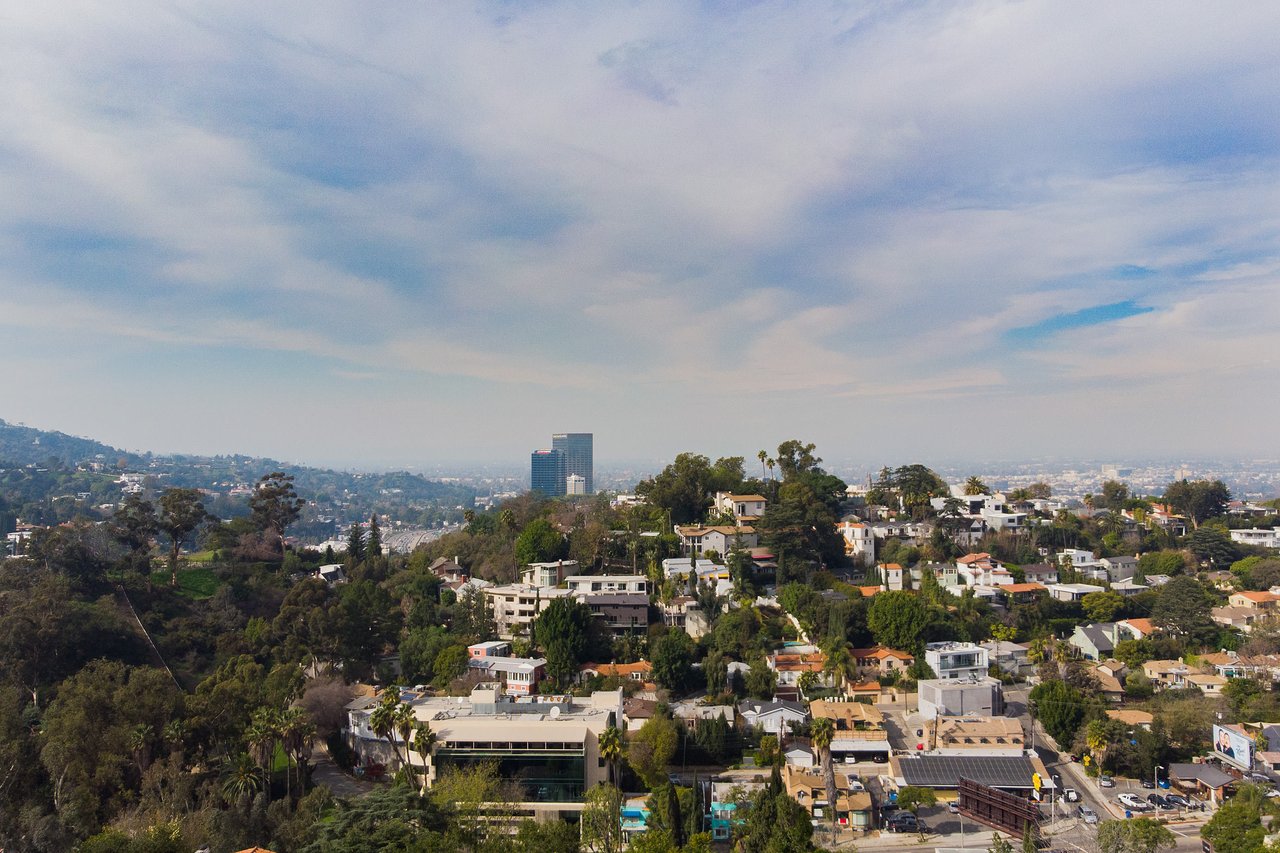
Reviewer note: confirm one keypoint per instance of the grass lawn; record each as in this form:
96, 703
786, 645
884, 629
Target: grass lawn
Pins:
199, 557
192, 583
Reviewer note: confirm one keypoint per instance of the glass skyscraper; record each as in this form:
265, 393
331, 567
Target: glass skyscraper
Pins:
578, 456
547, 472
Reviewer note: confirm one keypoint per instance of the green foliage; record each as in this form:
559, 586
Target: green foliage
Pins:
775, 823
898, 620
684, 487
651, 749
912, 798
1237, 824
1198, 500
1102, 606
540, 542
1060, 709
562, 630
1213, 547
761, 680
1183, 608
672, 660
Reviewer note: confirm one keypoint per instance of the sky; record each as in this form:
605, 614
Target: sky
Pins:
409, 233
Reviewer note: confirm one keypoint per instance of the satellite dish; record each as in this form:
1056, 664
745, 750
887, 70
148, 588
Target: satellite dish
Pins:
555, 713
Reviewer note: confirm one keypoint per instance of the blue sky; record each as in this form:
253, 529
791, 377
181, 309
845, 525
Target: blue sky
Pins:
418, 233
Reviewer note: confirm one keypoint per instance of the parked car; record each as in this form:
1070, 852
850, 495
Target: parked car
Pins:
953, 807
1164, 783
1147, 783
1177, 801
904, 822
855, 784
1258, 777
1071, 795
1158, 801
1105, 781
1131, 802
1088, 815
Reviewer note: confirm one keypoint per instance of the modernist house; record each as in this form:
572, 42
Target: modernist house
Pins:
952, 660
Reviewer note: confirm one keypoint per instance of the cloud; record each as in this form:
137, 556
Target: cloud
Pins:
634, 208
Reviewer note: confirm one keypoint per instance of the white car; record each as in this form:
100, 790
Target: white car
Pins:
1132, 803
1088, 815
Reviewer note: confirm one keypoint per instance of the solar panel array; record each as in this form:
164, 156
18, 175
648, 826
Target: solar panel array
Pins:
996, 771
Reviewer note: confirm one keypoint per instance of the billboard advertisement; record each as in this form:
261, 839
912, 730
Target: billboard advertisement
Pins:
1233, 747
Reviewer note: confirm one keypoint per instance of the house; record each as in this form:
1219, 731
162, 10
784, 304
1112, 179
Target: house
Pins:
690, 713
982, 570
1077, 558
608, 583
1022, 593
1109, 685
1135, 718
881, 661
859, 729
1137, 629
636, 711
518, 676
1240, 618
791, 665
799, 753
954, 697
1209, 685
1261, 538
952, 660
1128, 588
490, 649
1260, 601
1012, 658
640, 672
1045, 573
679, 567
620, 612
859, 542
696, 540
548, 574
1072, 591
772, 717
1096, 641
448, 571
968, 736
685, 613
1229, 664
332, 574
853, 808
515, 606
1165, 674
745, 509
1119, 568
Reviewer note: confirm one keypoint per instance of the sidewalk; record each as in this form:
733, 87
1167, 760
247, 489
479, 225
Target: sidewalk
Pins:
342, 784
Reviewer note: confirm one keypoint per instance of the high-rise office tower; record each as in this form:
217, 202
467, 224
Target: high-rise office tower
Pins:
546, 472
578, 458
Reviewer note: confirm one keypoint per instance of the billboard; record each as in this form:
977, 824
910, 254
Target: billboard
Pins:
1233, 747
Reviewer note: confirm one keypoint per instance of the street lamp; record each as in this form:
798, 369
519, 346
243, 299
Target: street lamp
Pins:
1155, 775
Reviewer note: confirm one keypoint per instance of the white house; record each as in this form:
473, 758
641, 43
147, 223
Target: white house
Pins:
772, 717
696, 540
743, 508
1072, 591
608, 583
859, 542
956, 660
1261, 537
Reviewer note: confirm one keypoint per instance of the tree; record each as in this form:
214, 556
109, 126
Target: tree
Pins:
672, 659
602, 819
999, 844
1198, 500
275, 505
355, 544
1212, 546
823, 732
651, 749
761, 680
181, 512
1102, 606
1182, 607
611, 750
133, 525
1138, 835
912, 798
684, 487
1237, 824
562, 632
975, 486
898, 619
1114, 496
540, 542
1060, 709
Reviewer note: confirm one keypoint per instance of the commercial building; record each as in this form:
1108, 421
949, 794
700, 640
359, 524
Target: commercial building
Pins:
579, 458
547, 472
955, 697
548, 746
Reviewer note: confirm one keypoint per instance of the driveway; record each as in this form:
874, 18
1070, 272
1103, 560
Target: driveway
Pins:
342, 784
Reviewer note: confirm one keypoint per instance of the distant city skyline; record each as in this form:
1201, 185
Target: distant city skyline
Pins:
410, 235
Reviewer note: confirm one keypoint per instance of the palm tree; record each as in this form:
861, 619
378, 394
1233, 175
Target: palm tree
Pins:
975, 486
839, 661
823, 731
260, 737
140, 746
297, 732
772, 463
611, 751
762, 456
423, 741
404, 722
382, 720
241, 777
